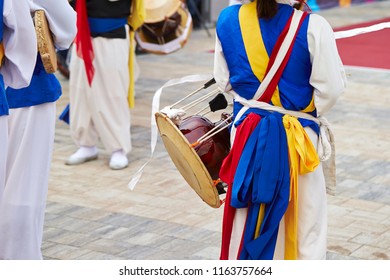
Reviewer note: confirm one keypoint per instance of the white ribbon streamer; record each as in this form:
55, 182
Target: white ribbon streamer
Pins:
361, 30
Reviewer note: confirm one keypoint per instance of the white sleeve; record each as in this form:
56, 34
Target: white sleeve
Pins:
61, 18
328, 75
20, 44
221, 71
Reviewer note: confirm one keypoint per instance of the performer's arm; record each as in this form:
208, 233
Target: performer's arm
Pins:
61, 18
20, 44
328, 76
221, 71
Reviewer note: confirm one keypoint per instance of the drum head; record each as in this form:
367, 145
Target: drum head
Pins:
187, 161
170, 44
45, 42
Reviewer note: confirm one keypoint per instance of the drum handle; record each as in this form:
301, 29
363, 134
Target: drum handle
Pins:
211, 132
206, 85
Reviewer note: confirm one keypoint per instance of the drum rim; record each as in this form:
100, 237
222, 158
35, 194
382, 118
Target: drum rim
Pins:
149, 46
208, 193
159, 14
45, 42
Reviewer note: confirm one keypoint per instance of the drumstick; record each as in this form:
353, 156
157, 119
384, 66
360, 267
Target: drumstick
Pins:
217, 103
200, 100
206, 85
217, 129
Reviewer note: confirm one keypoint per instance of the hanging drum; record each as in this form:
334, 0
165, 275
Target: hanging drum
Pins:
45, 42
197, 146
167, 26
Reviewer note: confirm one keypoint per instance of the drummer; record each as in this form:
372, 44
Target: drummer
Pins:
31, 128
99, 81
276, 201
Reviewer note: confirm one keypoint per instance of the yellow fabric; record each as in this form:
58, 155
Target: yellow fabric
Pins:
1, 53
260, 219
303, 159
250, 29
135, 21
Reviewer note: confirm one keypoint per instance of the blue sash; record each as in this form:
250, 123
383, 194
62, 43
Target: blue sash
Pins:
102, 25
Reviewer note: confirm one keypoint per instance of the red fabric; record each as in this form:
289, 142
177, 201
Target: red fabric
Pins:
366, 50
83, 39
227, 171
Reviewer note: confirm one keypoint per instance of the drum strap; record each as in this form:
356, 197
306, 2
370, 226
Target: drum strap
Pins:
275, 80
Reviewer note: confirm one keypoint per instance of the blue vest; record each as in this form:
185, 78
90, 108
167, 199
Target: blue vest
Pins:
294, 88
3, 100
43, 88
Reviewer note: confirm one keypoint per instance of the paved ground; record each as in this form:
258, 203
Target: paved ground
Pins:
91, 214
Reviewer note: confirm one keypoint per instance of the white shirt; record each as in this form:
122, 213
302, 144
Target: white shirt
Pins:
328, 75
20, 44
61, 18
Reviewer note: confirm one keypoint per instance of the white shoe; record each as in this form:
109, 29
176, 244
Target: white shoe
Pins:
82, 155
118, 160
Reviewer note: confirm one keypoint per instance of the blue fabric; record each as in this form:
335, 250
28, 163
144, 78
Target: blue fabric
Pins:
64, 116
262, 176
294, 87
43, 88
101, 25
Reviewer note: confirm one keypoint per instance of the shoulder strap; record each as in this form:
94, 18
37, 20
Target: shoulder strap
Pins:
280, 56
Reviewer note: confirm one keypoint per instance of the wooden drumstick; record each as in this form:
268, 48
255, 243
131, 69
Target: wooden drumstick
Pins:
206, 85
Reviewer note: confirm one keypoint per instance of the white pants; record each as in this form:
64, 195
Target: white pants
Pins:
312, 217
3, 150
23, 199
102, 110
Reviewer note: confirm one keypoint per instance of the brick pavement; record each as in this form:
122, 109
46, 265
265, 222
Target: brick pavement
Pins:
91, 214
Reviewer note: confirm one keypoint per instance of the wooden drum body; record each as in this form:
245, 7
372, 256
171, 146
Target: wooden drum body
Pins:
167, 27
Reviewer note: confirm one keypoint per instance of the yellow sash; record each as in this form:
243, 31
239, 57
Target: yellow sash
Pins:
135, 21
251, 32
303, 159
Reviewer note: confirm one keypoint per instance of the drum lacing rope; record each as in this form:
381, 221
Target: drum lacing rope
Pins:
216, 182
212, 132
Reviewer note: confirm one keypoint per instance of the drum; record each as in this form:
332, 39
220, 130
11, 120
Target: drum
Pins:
45, 42
167, 27
199, 164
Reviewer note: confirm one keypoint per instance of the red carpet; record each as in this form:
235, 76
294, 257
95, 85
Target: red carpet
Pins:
367, 50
